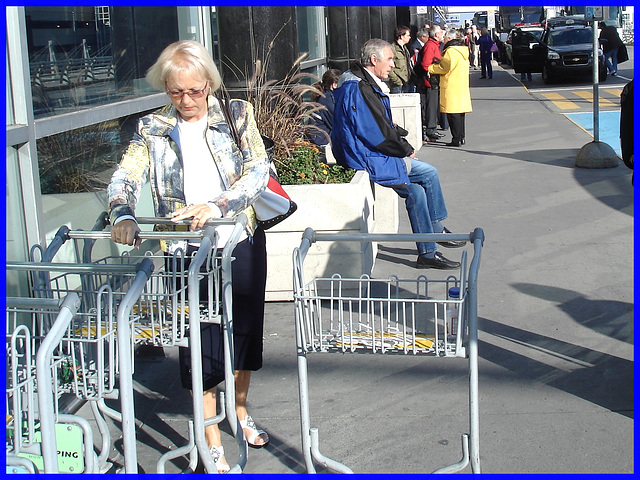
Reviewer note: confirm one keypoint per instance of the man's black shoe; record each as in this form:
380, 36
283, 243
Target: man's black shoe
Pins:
452, 144
435, 135
451, 243
438, 261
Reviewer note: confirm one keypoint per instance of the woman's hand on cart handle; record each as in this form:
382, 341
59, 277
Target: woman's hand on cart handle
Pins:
199, 213
126, 232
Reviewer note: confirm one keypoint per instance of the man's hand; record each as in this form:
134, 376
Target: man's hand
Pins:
126, 233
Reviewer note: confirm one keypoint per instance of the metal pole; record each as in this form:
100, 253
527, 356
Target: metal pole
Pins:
596, 104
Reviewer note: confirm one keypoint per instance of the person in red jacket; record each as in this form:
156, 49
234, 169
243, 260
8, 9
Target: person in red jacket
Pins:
431, 51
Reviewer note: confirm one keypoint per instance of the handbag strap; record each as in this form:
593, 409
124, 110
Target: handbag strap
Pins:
225, 103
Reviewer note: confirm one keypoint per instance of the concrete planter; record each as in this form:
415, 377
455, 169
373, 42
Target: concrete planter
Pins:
405, 110
356, 207
359, 206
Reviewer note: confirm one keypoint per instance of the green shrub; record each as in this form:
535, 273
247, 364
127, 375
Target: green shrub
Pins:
304, 167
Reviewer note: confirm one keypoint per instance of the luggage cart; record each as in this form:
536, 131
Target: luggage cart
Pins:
419, 316
162, 319
94, 354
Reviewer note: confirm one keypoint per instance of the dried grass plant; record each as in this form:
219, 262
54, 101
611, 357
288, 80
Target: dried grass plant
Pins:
76, 160
282, 107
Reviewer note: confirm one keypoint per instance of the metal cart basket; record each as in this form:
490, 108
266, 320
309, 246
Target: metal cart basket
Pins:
420, 316
160, 317
98, 344
33, 362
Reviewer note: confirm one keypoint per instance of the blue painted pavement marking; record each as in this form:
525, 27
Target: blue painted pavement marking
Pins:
609, 131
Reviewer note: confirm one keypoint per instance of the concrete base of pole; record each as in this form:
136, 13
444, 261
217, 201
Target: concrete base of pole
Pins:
597, 155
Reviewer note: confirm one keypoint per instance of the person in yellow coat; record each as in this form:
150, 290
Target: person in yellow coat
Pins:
455, 97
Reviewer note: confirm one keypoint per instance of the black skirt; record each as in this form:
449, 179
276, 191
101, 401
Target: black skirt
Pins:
249, 275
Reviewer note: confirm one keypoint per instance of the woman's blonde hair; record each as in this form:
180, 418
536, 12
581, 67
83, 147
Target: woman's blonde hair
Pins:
185, 56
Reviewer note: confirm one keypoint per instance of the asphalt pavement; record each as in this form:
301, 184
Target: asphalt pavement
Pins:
555, 306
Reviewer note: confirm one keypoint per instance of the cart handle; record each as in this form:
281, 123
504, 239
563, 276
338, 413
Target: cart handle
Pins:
145, 265
64, 233
312, 236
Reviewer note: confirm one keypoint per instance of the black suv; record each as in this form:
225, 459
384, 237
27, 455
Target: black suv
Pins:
565, 50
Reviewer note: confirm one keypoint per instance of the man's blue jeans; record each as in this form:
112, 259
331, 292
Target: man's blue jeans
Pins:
424, 202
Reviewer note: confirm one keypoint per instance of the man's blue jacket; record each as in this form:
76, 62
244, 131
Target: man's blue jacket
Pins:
363, 135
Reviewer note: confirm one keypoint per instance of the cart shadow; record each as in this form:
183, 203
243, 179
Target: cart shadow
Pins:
600, 378
277, 447
610, 318
591, 180
162, 414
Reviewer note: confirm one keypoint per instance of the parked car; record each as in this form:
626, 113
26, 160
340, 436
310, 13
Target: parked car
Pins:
565, 50
564, 20
520, 43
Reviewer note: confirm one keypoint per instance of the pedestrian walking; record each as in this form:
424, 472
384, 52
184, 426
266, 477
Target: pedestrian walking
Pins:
485, 43
610, 42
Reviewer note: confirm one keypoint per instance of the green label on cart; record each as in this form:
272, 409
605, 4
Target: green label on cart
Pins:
70, 443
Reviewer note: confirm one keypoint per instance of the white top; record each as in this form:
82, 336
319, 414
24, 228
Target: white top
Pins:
202, 180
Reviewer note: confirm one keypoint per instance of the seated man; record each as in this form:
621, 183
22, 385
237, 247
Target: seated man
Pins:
364, 137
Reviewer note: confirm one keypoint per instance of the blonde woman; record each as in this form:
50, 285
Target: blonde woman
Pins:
197, 172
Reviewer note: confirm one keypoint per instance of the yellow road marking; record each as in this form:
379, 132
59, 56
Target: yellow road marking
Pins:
559, 101
616, 92
589, 96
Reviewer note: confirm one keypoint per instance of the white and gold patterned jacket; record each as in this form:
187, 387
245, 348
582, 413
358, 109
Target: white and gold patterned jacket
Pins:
154, 155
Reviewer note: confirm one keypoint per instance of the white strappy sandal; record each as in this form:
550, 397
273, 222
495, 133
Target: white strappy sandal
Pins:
255, 433
218, 457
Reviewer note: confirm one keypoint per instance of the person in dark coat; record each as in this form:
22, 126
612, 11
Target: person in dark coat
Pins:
611, 42
485, 43
415, 47
322, 119
626, 125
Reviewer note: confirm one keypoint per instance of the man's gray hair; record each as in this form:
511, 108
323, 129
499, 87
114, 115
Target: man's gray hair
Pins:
422, 32
433, 30
452, 33
375, 46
